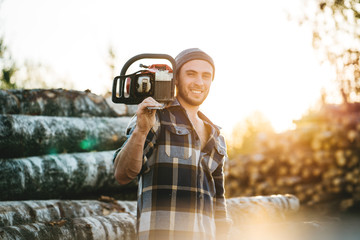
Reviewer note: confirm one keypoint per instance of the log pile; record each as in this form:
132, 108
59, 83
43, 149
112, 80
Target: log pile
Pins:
107, 218
59, 144
64, 153
72, 175
22, 135
318, 161
104, 218
60, 102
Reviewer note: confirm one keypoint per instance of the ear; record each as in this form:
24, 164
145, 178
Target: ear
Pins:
177, 79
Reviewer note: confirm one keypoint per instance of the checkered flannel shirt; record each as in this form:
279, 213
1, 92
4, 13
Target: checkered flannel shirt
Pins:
181, 188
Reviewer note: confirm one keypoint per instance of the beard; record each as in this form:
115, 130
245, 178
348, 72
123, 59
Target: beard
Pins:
192, 99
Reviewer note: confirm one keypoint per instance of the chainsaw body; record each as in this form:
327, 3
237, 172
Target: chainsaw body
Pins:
156, 81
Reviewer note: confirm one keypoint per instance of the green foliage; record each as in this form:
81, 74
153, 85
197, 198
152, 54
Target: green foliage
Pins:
8, 68
28, 74
111, 60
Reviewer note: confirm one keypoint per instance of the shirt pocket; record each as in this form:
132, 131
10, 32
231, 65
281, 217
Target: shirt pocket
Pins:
178, 143
216, 157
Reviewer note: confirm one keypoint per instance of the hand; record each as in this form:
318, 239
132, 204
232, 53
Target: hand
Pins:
146, 117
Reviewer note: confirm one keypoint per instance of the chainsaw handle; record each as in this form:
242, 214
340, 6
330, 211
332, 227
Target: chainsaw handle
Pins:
148, 55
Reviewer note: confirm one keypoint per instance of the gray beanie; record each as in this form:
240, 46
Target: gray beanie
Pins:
192, 54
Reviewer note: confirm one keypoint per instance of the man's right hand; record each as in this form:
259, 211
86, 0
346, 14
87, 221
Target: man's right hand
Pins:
146, 117
128, 162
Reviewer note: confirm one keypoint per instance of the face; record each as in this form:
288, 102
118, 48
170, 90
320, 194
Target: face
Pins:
194, 81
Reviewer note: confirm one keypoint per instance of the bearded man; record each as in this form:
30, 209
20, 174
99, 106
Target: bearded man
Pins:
178, 156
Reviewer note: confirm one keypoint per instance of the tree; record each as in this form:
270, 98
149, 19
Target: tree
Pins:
27, 74
8, 67
111, 60
336, 35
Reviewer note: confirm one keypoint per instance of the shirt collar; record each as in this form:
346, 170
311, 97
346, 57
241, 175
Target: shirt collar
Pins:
173, 103
176, 103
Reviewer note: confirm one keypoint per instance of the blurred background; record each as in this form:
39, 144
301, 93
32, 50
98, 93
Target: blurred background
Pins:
286, 89
264, 55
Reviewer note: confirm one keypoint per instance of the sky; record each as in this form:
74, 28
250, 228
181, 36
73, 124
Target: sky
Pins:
263, 61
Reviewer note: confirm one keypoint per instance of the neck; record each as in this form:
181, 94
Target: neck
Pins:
191, 110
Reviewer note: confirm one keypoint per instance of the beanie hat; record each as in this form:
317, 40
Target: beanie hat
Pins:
192, 54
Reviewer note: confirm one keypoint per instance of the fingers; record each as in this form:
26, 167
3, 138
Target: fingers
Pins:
149, 103
145, 116
152, 102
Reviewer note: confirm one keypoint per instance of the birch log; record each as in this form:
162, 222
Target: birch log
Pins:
13, 213
260, 209
57, 219
241, 210
22, 135
58, 176
114, 226
55, 102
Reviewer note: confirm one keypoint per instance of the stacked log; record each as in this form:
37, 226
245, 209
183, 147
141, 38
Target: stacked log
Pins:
59, 144
58, 102
14, 213
69, 176
318, 161
262, 209
107, 218
66, 152
113, 226
22, 135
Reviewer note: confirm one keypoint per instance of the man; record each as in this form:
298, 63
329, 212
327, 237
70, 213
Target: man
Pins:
178, 156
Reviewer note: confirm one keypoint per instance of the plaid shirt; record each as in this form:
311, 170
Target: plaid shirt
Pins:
181, 187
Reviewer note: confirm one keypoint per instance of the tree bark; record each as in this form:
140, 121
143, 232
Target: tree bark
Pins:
111, 219
22, 135
56, 102
246, 210
59, 176
13, 213
114, 226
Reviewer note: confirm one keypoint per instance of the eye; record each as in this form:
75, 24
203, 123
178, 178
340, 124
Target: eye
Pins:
206, 76
191, 74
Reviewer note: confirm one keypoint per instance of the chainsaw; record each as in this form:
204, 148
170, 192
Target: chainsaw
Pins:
156, 81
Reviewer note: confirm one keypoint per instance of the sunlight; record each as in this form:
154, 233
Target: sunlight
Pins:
263, 62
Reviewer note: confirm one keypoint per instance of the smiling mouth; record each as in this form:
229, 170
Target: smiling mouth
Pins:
196, 91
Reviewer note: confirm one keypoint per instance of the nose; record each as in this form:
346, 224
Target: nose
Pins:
199, 81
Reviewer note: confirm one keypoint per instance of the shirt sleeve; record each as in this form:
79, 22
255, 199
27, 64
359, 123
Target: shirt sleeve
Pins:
222, 221
150, 141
